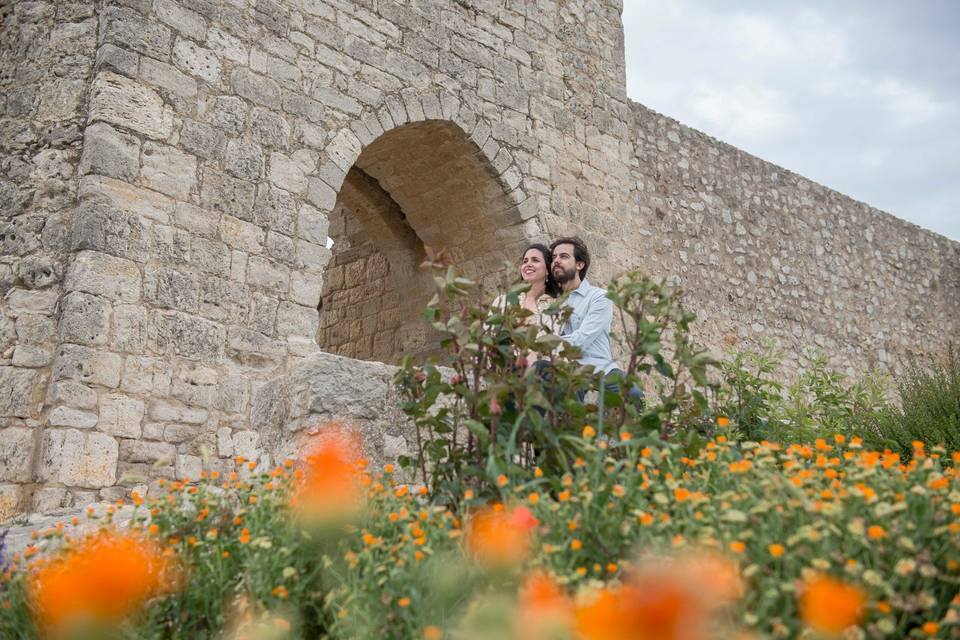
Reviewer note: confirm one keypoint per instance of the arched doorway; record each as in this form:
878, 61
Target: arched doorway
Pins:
421, 184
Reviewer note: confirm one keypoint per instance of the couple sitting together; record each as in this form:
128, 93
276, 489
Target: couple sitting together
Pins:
561, 270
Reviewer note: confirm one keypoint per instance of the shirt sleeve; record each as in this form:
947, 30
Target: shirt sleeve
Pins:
596, 322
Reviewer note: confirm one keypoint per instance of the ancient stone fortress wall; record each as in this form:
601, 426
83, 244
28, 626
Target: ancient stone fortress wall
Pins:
173, 170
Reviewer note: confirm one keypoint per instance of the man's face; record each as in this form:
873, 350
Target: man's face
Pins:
564, 266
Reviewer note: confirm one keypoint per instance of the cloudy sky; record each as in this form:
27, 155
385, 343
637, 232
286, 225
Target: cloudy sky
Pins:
861, 96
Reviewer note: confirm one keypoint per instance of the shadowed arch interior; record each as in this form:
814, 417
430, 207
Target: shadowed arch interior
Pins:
422, 184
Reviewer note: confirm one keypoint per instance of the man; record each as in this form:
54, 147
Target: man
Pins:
591, 312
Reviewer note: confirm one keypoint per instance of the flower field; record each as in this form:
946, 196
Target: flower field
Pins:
637, 540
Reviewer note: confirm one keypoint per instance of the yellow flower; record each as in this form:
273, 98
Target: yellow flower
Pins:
534, 498
576, 545
589, 432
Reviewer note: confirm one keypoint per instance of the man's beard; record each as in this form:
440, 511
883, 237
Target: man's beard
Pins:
563, 276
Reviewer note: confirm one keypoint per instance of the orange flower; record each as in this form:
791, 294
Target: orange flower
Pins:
876, 532
588, 432
280, 592
499, 538
432, 633
667, 599
723, 421
776, 550
829, 605
930, 628
544, 610
102, 579
737, 546
330, 489
681, 494
404, 602
244, 536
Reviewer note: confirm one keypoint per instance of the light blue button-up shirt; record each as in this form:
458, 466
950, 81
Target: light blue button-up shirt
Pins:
589, 326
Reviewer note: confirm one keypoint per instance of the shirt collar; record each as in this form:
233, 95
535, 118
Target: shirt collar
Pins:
582, 289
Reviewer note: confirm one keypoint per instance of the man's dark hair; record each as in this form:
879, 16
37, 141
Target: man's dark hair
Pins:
580, 252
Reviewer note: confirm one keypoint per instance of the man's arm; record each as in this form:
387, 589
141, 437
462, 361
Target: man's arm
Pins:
596, 322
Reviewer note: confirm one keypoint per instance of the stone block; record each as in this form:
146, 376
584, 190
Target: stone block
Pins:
32, 328
70, 417
312, 257
268, 275
50, 499
296, 320
263, 313
182, 19
312, 225
72, 394
129, 329
287, 173
126, 103
101, 228
17, 392
60, 100
127, 198
275, 209
224, 442
222, 300
39, 271
246, 444
306, 288
16, 454
189, 466
121, 415
203, 140
210, 256
281, 248
244, 160
113, 58
197, 221
196, 60
228, 195
109, 152
169, 288
11, 498
227, 46
27, 301
229, 113
145, 451
175, 333
131, 30
104, 275
255, 88
78, 459
32, 356
169, 170
84, 319
321, 195
269, 128
87, 365
170, 411
253, 349
233, 394
178, 87
241, 235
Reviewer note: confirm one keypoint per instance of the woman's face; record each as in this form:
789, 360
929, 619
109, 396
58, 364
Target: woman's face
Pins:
533, 268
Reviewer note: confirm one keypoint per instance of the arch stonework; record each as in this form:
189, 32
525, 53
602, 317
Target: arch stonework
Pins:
169, 172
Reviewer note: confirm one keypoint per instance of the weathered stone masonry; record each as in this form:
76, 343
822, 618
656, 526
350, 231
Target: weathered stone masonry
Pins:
170, 173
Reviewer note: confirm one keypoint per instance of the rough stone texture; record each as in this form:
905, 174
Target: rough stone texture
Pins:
173, 173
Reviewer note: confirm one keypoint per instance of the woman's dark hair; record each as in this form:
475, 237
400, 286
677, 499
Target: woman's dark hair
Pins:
580, 253
552, 288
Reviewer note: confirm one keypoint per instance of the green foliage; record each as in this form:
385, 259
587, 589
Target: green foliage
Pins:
511, 395
929, 406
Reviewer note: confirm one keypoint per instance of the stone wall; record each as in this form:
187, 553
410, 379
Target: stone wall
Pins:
46, 61
182, 164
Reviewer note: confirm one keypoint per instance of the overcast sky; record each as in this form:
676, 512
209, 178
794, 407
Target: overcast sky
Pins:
863, 97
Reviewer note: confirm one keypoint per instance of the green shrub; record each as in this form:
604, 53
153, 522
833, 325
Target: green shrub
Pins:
929, 406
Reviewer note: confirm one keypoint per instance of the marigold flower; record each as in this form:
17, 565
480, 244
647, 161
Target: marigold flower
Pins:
330, 489
432, 633
776, 550
404, 602
502, 480
244, 536
737, 546
588, 432
930, 628
103, 579
544, 610
829, 605
576, 545
723, 421
280, 592
681, 494
496, 537
876, 532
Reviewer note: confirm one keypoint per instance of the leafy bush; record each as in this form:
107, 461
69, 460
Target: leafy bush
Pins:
928, 409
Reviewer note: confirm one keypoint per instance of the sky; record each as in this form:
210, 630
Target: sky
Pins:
860, 96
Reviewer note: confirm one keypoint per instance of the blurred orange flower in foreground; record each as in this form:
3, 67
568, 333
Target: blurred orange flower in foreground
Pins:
498, 537
544, 609
829, 605
100, 581
330, 487
664, 599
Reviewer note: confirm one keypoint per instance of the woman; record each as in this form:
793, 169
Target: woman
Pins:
535, 271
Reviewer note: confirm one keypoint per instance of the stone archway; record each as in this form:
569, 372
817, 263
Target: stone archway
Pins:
421, 184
